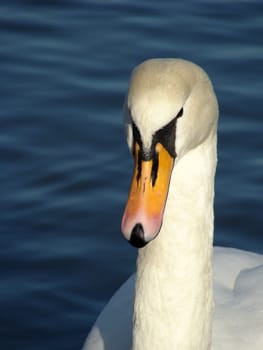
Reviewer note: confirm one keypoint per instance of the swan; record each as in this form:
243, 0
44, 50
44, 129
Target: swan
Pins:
186, 294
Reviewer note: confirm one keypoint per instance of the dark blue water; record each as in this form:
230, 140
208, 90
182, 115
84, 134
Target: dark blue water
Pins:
65, 167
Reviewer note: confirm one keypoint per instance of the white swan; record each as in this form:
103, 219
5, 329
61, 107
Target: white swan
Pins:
171, 122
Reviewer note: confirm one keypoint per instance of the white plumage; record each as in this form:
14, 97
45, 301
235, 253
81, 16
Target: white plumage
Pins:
173, 307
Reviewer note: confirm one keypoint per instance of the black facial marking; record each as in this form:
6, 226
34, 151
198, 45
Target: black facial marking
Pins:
165, 136
180, 114
139, 170
155, 167
136, 137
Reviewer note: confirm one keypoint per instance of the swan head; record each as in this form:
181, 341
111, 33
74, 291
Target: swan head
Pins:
170, 109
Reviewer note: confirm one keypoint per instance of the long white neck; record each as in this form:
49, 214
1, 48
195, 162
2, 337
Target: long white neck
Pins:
173, 295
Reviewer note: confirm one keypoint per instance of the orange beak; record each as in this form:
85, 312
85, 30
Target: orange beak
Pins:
142, 219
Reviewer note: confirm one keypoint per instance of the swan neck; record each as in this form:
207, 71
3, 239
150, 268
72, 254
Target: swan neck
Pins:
173, 292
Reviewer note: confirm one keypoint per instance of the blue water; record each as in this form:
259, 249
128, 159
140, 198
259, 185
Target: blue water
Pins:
65, 167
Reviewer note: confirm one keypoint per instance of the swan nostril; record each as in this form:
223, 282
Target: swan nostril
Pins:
137, 236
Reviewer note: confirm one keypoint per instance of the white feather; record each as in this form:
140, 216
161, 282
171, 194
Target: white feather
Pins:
173, 301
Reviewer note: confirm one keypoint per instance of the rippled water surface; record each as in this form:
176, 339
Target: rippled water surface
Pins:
65, 167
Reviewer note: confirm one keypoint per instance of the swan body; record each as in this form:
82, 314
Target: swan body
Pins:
171, 117
237, 320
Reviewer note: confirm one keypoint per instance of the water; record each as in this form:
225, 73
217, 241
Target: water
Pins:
65, 167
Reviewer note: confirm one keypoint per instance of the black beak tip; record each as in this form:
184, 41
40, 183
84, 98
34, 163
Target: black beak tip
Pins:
137, 237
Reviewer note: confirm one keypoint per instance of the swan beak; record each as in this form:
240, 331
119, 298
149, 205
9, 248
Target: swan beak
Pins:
143, 215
